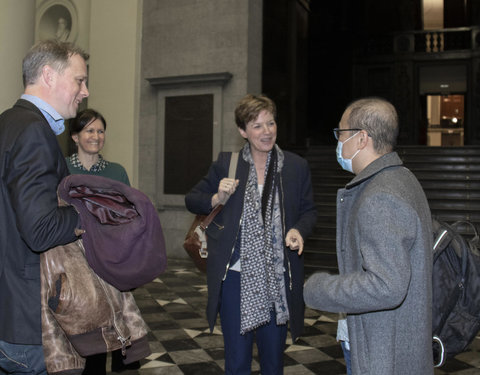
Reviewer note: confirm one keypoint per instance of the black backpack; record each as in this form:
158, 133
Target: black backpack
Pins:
456, 290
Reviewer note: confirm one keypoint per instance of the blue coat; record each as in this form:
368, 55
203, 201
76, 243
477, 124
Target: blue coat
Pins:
384, 250
298, 211
31, 167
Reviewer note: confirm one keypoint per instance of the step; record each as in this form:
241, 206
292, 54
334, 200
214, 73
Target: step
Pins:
321, 243
450, 177
462, 195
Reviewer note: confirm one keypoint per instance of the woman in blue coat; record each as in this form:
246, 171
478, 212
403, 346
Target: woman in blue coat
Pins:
254, 281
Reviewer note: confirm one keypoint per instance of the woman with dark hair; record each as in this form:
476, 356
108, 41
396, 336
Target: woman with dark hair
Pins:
254, 281
87, 130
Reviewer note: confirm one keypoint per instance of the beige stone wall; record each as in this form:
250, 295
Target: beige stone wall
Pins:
182, 38
17, 20
130, 41
113, 40
114, 73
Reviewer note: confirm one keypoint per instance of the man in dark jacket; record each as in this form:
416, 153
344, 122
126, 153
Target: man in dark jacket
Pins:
31, 167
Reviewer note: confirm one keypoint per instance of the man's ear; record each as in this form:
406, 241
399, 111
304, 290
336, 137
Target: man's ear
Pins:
48, 75
363, 139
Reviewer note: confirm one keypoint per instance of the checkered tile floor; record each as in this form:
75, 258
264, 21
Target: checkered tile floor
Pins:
174, 308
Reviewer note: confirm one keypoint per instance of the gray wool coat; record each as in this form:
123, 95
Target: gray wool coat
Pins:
384, 251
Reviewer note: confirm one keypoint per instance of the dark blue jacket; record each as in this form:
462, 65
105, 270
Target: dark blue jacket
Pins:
31, 166
298, 211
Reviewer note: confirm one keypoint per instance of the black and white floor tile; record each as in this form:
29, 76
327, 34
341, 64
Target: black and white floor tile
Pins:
173, 306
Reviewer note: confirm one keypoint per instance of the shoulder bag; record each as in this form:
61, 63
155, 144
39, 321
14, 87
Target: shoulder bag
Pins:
195, 243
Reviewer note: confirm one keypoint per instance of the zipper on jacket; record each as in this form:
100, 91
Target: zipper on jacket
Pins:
227, 267
285, 253
220, 227
123, 340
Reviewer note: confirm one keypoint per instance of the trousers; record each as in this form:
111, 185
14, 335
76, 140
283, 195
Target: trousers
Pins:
21, 359
346, 355
270, 338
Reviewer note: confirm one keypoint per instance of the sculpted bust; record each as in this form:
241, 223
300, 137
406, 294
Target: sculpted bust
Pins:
62, 30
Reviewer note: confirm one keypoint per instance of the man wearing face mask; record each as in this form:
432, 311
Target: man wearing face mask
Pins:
384, 251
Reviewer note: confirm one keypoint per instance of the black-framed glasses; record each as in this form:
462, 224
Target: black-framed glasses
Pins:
336, 131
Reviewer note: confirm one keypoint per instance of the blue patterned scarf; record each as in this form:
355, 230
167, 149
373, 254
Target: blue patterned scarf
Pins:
262, 281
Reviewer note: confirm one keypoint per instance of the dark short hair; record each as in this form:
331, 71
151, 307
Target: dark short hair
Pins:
250, 107
48, 52
84, 118
378, 118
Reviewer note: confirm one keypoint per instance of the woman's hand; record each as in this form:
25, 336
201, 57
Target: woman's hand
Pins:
294, 240
226, 187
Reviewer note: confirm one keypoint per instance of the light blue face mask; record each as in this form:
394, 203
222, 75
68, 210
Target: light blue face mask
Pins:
345, 163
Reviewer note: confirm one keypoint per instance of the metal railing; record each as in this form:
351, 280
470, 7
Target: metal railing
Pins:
424, 41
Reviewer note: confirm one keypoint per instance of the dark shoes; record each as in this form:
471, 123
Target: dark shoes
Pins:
95, 364
119, 366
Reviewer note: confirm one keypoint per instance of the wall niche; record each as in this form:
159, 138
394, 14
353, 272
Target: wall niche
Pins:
57, 20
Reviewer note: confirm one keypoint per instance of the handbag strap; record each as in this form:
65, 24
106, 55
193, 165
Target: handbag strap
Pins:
231, 174
233, 165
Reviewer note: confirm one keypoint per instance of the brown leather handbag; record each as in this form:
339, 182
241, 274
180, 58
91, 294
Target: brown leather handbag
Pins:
195, 243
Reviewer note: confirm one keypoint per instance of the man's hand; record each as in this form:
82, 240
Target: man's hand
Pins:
79, 232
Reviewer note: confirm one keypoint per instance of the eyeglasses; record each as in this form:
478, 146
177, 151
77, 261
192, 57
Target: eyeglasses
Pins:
336, 131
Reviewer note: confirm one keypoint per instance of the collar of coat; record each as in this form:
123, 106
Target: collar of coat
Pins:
389, 160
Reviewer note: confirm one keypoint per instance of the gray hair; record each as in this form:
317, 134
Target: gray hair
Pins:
378, 118
48, 52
